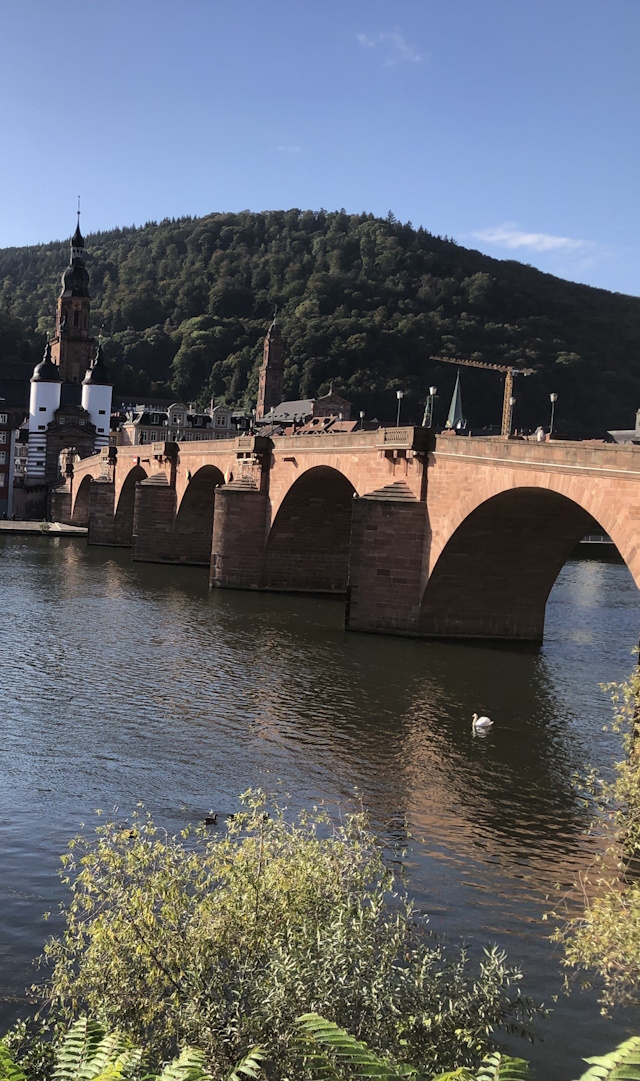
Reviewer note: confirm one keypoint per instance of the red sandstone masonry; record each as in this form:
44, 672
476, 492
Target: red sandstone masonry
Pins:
467, 542
154, 512
101, 506
387, 538
239, 530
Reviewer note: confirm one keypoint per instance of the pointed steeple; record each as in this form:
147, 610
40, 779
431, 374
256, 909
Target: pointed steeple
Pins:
271, 377
456, 416
77, 243
97, 374
72, 345
46, 371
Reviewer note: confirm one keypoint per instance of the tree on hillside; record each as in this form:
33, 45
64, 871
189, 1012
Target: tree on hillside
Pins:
362, 300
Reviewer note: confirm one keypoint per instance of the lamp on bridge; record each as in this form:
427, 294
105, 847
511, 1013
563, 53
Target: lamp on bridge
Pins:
427, 420
553, 399
512, 402
399, 396
361, 419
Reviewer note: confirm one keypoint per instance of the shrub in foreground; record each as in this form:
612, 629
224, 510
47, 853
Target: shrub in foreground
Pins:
602, 938
220, 941
323, 1050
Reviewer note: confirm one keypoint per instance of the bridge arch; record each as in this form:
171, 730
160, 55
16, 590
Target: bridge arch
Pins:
494, 566
193, 527
80, 510
308, 543
123, 516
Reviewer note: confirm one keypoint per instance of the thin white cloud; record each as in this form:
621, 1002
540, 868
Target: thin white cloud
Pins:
509, 236
397, 47
284, 149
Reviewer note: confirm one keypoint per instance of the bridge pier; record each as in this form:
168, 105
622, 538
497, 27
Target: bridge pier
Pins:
102, 497
239, 531
61, 504
385, 570
153, 519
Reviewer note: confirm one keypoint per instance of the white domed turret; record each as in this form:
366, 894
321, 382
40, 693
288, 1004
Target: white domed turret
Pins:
43, 402
96, 398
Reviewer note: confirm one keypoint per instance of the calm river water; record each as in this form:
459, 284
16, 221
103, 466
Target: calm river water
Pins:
123, 682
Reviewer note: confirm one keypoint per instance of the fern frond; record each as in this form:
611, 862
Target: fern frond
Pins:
499, 1067
335, 1041
188, 1066
111, 1057
622, 1063
79, 1047
249, 1066
9, 1070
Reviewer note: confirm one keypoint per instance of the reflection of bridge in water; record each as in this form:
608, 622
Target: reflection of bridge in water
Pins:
432, 536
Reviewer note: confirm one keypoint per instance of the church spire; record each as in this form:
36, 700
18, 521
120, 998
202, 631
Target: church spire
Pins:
71, 345
271, 375
77, 243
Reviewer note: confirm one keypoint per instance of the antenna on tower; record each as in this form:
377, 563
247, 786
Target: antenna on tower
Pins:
78, 210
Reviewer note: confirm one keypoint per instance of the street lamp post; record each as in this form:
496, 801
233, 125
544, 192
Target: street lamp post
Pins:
427, 420
361, 419
399, 396
553, 399
512, 402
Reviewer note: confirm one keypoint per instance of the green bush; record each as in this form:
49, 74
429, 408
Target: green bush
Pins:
220, 941
601, 937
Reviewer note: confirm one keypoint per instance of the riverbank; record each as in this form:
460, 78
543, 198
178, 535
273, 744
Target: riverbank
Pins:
44, 529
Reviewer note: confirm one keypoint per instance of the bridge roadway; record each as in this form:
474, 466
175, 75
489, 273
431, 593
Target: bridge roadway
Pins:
434, 536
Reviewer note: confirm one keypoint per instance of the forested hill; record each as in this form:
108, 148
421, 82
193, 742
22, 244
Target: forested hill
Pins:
184, 306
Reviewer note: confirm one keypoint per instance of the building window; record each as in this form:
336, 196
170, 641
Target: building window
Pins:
42, 409
3, 437
3, 478
101, 412
100, 431
3, 418
3, 457
75, 319
41, 427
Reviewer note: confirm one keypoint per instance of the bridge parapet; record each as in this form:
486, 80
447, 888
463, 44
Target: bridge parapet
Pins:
563, 455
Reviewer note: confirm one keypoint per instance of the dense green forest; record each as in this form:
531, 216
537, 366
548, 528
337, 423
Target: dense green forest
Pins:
363, 302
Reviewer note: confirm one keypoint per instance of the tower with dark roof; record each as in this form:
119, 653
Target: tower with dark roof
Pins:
44, 400
271, 375
71, 345
97, 390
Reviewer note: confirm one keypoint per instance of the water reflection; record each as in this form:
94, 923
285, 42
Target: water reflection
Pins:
126, 681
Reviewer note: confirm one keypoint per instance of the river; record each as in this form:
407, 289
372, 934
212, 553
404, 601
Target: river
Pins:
123, 682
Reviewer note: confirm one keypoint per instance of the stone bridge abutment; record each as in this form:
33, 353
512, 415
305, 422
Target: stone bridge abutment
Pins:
434, 537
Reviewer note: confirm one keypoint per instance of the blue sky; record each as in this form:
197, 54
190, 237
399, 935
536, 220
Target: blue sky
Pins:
511, 125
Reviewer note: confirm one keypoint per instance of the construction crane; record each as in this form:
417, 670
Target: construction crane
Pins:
508, 370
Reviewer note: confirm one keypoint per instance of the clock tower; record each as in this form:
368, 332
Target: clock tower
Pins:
71, 346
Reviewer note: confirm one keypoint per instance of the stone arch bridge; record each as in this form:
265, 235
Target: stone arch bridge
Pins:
430, 536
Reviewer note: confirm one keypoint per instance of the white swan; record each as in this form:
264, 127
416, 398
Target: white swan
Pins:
480, 724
